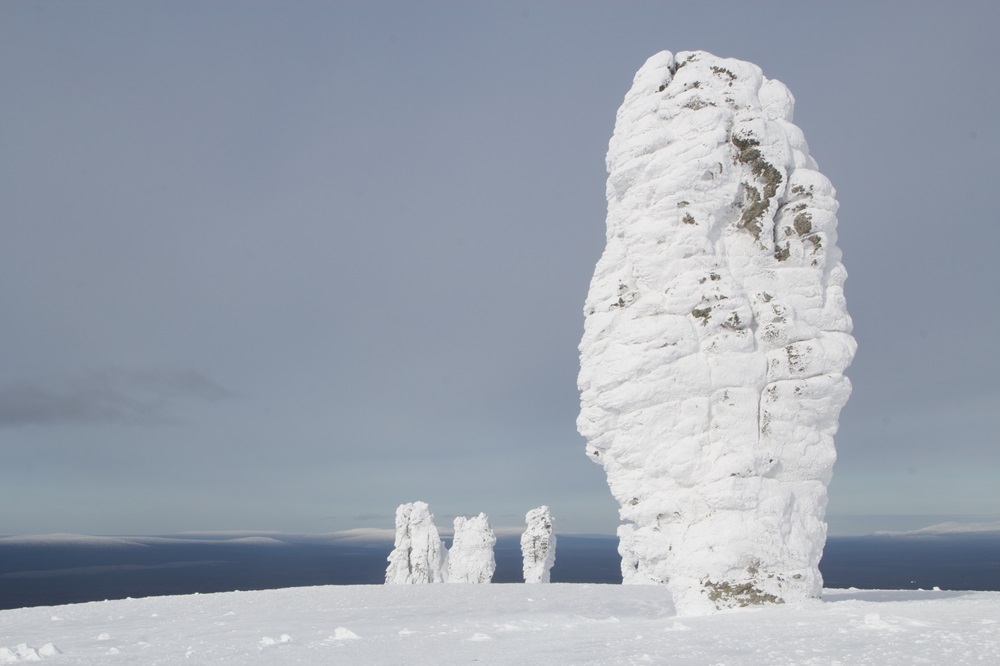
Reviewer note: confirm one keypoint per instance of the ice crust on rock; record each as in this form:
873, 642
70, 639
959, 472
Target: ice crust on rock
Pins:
538, 545
470, 558
418, 555
716, 337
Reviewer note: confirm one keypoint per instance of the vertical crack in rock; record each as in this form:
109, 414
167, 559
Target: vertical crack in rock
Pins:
716, 337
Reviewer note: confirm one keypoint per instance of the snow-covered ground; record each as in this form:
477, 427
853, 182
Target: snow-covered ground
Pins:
504, 624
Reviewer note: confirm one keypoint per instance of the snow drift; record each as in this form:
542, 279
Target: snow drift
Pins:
716, 337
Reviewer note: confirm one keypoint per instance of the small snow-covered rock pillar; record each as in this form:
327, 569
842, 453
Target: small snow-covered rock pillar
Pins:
716, 337
538, 545
471, 558
418, 555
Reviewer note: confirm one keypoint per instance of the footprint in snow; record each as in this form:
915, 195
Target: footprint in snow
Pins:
480, 637
267, 641
875, 621
24, 652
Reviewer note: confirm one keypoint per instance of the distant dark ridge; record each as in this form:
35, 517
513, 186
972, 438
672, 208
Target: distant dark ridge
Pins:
48, 572
964, 561
52, 572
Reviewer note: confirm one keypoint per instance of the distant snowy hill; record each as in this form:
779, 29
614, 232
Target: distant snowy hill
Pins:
504, 624
951, 527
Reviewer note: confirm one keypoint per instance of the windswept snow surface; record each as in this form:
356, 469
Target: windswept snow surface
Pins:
716, 337
504, 624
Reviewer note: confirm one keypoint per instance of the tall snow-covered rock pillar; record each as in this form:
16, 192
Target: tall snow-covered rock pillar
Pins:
471, 559
716, 337
538, 546
418, 555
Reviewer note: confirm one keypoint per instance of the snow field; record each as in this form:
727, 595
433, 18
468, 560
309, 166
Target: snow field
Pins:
505, 624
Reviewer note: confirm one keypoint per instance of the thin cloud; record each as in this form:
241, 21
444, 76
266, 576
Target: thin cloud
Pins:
107, 396
363, 517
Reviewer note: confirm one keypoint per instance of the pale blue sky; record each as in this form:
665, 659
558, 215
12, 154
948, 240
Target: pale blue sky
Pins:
283, 266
